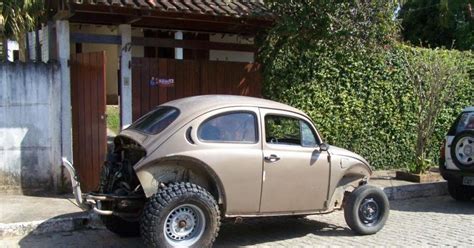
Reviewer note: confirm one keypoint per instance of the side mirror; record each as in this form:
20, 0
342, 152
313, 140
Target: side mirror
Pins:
324, 147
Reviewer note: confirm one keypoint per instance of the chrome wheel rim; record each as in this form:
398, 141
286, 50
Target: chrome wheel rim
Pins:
369, 211
465, 150
184, 225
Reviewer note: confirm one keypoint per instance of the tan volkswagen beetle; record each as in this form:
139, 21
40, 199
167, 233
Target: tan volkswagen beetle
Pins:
179, 169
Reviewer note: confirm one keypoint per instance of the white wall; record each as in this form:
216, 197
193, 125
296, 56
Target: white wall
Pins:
30, 145
231, 55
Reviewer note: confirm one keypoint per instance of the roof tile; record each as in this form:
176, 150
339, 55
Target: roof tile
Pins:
234, 8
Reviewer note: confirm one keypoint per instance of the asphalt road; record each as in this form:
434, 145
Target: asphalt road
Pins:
436, 221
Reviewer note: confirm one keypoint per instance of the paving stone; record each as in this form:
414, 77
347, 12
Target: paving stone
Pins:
434, 221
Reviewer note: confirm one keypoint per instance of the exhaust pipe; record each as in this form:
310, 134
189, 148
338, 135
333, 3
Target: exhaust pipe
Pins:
76, 185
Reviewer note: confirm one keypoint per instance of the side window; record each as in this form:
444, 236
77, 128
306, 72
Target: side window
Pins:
307, 135
235, 127
288, 131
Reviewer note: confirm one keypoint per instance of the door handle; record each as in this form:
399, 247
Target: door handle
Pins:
272, 158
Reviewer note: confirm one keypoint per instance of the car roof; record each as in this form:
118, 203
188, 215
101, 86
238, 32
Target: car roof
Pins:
468, 109
203, 103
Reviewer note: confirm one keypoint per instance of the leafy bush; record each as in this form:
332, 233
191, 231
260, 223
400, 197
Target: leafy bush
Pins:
353, 81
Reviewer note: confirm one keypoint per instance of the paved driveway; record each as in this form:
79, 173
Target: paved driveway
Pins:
424, 221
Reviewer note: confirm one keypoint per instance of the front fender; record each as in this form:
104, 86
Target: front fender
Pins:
347, 174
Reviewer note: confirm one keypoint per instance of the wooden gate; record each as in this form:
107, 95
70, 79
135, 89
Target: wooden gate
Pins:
89, 126
156, 81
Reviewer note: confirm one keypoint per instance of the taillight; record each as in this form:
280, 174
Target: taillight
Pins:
442, 150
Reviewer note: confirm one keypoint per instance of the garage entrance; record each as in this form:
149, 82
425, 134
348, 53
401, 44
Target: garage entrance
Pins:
158, 80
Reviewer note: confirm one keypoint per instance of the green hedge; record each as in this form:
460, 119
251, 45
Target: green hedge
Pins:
362, 100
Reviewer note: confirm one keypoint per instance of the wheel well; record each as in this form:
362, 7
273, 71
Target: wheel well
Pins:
346, 184
181, 169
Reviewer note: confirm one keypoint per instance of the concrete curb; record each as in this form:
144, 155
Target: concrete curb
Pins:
89, 220
404, 192
73, 222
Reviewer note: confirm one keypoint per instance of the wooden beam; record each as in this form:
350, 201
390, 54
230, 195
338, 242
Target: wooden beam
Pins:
161, 42
96, 38
192, 44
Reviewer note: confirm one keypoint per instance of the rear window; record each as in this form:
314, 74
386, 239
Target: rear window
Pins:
464, 122
156, 121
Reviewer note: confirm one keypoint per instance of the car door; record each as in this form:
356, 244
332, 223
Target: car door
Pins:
228, 140
296, 171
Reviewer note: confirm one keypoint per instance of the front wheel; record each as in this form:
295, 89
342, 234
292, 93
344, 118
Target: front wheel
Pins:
366, 210
180, 215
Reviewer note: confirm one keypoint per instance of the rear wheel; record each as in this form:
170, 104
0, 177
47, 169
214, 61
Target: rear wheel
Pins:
459, 192
180, 215
366, 210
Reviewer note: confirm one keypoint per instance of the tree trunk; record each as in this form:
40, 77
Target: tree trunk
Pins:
22, 48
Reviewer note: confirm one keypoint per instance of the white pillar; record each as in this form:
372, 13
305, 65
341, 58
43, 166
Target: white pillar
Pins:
31, 46
125, 75
64, 54
44, 41
178, 51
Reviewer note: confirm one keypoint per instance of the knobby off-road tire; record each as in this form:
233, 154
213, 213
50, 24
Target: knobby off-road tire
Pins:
366, 210
120, 226
175, 214
460, 192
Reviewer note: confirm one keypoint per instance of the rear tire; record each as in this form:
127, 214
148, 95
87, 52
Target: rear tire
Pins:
366, 210
120, 226
183, 215
459, 192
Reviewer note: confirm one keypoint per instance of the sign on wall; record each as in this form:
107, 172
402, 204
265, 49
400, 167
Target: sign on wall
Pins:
161, 82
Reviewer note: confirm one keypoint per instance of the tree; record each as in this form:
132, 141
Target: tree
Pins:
20, 17
439, 23
435, 80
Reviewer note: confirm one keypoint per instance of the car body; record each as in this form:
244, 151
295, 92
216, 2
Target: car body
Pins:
249, 157
457, 156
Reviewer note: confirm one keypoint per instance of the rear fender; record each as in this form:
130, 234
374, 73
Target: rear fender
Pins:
179, 169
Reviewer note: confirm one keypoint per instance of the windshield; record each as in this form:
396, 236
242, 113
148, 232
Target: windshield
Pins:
156, 121
464, 122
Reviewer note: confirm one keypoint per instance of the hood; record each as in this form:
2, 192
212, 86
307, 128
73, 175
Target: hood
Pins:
334, 150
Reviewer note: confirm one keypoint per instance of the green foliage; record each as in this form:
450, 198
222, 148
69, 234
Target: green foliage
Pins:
20, 16
439, 23
113, 118
354, 84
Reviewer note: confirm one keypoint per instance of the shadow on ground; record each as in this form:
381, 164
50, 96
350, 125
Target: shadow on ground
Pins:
264, 230
252, 231
441, 204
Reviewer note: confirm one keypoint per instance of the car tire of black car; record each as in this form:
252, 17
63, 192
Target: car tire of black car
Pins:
121, 227
366, 209
457, 138
460, 192
161, 225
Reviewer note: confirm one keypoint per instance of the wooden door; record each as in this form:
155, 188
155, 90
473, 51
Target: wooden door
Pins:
88, 116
